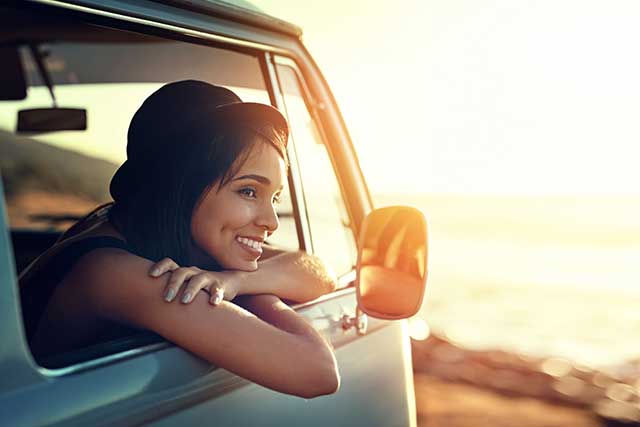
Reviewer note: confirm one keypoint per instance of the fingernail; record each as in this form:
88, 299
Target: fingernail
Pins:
217, 300
171, 293
186, 298
155, 272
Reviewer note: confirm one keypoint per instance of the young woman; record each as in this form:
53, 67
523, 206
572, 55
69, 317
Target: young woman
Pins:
193, 205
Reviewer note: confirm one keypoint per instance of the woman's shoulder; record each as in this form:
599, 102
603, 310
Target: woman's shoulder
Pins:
89, 243
54, 263
42, 279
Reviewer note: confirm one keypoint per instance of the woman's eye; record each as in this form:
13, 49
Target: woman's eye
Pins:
248, 192
277, 199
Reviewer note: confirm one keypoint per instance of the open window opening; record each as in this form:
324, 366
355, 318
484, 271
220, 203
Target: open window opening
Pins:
67, 95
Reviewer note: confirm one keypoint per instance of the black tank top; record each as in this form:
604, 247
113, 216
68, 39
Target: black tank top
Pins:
38, 290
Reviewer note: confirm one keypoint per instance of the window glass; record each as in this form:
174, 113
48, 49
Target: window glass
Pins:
332, 238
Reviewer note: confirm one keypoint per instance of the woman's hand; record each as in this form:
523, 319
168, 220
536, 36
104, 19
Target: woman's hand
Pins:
219, 285
293, 276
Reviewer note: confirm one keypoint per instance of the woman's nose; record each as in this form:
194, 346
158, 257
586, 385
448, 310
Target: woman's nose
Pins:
268, 218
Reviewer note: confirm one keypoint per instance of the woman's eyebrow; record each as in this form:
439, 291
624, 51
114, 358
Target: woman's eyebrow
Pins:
259, 178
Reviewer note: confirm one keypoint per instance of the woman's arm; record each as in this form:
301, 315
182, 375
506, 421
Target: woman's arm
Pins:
285, 353
295, 276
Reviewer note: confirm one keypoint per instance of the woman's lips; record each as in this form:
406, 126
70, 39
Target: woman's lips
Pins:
253, 247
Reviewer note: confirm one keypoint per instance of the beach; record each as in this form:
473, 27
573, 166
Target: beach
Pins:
445, 404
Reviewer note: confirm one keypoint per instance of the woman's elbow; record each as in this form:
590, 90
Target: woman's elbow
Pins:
331, 284
324, 287
331, 384
321, 375
326, 381
325, 279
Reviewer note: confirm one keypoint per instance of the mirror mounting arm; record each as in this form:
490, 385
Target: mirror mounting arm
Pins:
38, 57
359, 322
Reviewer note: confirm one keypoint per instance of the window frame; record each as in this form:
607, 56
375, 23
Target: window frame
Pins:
131, 347
347, 278
303, 229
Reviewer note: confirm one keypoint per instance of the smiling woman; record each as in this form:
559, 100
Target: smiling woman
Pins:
201, 136
197, 193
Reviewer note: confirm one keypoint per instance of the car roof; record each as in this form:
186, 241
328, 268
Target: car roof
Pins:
237, 10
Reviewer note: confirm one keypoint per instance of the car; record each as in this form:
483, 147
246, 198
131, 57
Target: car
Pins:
73, 74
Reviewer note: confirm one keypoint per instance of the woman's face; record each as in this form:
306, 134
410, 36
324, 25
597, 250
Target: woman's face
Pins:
231, 223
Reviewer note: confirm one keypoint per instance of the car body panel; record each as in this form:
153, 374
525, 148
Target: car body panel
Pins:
160, 384
169, 385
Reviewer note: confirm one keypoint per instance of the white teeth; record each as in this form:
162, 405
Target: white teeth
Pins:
251, 243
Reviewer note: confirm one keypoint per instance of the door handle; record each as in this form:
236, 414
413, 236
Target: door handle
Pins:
360, 321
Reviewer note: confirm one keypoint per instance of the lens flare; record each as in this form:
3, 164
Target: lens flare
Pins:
418, 329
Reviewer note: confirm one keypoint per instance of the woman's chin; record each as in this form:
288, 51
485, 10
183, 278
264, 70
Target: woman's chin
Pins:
252, 267
241, 265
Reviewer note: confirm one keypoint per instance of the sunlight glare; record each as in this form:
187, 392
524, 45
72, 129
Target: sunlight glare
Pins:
418, 329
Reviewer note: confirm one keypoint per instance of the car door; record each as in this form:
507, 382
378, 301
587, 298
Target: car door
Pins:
148, 381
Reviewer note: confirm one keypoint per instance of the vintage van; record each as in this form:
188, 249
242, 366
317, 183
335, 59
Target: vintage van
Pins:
73, 73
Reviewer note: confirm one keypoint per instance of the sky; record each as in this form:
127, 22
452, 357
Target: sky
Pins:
507, 98
483, 96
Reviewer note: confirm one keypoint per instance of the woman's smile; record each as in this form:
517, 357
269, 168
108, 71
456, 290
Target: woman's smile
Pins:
252, 245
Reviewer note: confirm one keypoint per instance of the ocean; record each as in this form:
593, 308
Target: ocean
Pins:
541, 276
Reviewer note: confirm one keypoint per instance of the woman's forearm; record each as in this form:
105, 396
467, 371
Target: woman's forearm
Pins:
273, 311
295, 276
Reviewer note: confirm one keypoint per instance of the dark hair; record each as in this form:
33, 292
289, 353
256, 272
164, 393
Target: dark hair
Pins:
155, 214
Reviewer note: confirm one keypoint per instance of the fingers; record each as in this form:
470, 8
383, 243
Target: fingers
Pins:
190, 279
217, 296
178, 277
162, 266
200, 282
195, 284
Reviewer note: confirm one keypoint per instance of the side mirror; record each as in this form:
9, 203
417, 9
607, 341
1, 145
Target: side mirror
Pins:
392, 262
51, 119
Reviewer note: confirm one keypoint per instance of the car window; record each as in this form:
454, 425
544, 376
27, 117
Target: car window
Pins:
51, 179
331, 235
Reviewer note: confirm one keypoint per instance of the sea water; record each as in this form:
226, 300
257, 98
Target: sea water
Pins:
543, 276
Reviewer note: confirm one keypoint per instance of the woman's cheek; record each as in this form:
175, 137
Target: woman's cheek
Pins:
243, 213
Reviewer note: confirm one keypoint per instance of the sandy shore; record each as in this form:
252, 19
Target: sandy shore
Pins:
444, 404
458, 387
